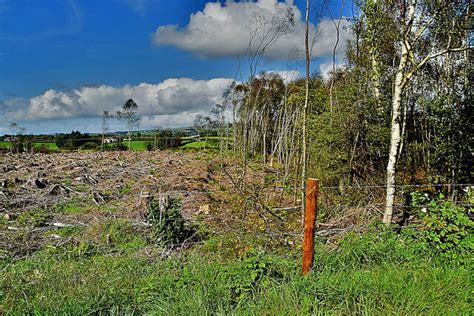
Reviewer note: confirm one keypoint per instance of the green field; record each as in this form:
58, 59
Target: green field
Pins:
137, 145
5, 144
140, 145
198, 145
188, 143
49, 145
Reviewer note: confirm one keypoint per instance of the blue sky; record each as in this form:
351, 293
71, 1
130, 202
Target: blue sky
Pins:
54, 53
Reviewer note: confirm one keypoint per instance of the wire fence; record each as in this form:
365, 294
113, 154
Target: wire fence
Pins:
322, 188
435, 185
338, 214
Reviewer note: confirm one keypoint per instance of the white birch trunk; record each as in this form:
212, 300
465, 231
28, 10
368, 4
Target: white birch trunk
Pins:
395, 132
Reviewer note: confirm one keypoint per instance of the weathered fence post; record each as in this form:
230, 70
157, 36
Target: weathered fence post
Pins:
309, 222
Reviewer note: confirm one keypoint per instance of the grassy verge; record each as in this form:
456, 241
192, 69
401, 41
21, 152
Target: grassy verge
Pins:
373, 273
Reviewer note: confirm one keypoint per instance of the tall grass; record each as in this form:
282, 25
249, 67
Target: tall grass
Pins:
372, 273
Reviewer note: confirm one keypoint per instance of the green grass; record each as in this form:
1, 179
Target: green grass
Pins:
376, 273
195, 144
209, 143
137, 145
49, 145
5, 144
140, 145
74, 206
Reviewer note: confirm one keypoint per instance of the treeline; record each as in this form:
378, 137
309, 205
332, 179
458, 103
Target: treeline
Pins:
398, 112
152, 140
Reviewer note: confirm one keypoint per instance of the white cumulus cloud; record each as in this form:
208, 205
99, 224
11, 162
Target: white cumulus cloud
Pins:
171, 102
326, 68
225, 30
286, 75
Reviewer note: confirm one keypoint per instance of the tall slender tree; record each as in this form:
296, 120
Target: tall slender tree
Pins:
420, 24
17, 131
130, 117
305, 109
106, 116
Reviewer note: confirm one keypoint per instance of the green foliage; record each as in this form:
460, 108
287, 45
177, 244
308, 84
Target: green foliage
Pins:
256, 267
36, 218
349, 142
149, 146
90, 145
450, 144
129, 115
125, 189
73, 206
167, 139
448, 228
169, 225
73, 140
43, 148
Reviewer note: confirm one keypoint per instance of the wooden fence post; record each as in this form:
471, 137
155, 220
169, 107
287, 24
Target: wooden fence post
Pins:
309, 222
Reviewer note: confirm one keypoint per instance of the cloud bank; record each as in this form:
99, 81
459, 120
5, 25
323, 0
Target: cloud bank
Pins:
222, 30
169, 103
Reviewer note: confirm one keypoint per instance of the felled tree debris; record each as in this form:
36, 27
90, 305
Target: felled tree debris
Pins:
3, 196
36, 183
99, 198
60, 189
8, 168
89, 179
40, 183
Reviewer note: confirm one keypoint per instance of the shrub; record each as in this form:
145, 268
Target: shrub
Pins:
447, 226
43, 149
150, 146
118, 147
90, 145
169, 225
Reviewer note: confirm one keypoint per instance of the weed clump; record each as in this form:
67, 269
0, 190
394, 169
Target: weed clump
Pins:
34, 218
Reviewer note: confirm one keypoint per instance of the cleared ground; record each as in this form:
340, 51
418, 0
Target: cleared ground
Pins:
75, 238
82, 189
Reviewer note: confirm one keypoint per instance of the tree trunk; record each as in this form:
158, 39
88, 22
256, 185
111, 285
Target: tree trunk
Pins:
306, 98
376, 83
395, 135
